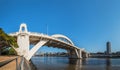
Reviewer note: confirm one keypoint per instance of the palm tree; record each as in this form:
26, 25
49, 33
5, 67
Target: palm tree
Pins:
7, 41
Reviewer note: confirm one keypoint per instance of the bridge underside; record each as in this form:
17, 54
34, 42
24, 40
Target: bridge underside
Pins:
73, 52
50, 43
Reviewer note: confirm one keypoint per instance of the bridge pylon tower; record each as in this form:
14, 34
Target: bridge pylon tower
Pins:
23, 40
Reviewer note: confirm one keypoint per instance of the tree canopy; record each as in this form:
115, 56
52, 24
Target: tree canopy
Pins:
7, 41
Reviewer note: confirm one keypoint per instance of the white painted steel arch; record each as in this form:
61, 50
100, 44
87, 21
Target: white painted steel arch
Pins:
62, 36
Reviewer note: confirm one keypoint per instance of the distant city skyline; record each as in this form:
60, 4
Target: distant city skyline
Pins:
88, 23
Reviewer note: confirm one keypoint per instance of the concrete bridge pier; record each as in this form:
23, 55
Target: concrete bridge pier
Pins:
75, 53
85, 55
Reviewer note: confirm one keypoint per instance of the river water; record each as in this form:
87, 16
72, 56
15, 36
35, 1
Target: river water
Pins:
63, 63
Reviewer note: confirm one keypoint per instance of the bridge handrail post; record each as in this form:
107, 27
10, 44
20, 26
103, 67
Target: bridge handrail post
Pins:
17, 64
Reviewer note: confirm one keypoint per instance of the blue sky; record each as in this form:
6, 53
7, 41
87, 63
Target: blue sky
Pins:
88, 23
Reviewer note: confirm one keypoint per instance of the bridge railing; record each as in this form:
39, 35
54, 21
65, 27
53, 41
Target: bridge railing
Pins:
3, 63
41, 34
23, 65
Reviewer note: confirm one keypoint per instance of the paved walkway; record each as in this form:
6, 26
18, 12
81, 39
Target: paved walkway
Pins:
11, 65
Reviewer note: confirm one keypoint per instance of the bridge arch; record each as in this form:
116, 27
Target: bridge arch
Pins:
58, 36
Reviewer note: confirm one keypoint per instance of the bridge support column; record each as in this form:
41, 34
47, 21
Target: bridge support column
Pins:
86, 55
72, 53
80, 53
76, 53
34, 49
23, 40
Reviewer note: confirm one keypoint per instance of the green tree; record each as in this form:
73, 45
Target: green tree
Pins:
7, 41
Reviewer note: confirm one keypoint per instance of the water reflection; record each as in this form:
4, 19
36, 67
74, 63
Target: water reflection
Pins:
63, 63
108, 64
75, 64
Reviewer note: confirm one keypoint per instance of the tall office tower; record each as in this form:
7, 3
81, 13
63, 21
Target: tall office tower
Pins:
108, 48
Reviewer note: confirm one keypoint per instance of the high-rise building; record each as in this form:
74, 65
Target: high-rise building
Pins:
108, 48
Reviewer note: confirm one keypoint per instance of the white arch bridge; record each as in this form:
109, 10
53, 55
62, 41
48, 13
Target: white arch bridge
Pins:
25, 38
